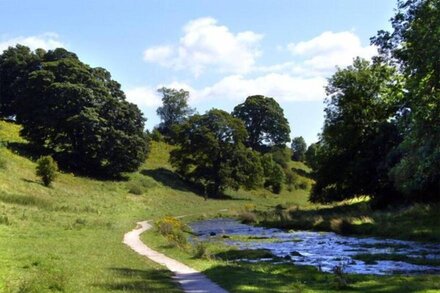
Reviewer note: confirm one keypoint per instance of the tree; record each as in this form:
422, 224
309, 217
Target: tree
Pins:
211, 153
15, 65
299, 148
174, 109
79, 115
265, 122
311, 155
360, 132
47, 169
413, 46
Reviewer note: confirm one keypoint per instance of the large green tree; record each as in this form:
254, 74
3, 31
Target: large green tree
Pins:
174, 110
413, 45
211, 153
265, 122
78, 114
359, 133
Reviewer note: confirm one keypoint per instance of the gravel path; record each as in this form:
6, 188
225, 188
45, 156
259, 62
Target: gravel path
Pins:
192, 281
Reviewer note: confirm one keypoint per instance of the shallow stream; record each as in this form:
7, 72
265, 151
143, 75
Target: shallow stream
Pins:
324, 250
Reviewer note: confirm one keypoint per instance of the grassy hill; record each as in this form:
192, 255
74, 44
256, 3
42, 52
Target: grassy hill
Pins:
68, 237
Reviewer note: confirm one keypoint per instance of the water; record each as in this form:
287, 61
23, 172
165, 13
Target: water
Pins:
324, 250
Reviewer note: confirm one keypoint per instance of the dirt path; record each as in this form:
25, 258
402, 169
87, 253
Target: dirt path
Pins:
192, 281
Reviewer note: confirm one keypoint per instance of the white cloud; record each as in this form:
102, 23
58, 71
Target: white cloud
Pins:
328, 50
144, 97
207, 44
282, 87
45, 41
159, 54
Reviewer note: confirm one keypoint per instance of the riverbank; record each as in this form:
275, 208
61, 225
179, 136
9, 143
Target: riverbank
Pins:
419, 222
224, 265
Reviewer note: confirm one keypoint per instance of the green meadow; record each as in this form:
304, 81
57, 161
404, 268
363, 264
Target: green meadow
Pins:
68, 237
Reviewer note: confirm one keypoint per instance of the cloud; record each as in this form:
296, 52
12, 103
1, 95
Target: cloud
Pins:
283, 87
206, 44
45, 41
144, 97
328, 50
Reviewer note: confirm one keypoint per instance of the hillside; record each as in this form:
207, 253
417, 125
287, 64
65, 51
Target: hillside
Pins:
68, 237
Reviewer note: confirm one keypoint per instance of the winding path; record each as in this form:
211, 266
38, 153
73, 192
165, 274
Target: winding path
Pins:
192, 281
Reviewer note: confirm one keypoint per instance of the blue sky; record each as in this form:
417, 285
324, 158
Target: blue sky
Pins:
221, 51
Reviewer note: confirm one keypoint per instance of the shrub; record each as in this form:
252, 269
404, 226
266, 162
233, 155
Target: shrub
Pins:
47, 169
155, 135
201, 251
135, 188
172, 229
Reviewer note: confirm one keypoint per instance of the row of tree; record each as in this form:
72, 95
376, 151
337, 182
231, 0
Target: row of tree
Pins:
76, 113
381, 135
219, 150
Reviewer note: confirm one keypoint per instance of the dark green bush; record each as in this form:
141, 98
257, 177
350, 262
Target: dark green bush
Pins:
47, 169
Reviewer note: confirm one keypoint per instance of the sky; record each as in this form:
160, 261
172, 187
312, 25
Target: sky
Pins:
220, 51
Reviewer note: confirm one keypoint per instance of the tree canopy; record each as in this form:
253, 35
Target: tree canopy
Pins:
211, 153
359, 132
174, 109
76, 113
265, 122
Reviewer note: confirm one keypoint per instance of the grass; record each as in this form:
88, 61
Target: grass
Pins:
69, 237
421, 221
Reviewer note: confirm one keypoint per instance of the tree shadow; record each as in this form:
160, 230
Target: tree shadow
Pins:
26, 150
136, 280
170, 179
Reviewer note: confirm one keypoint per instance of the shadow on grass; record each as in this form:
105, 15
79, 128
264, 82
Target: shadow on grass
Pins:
169, 179
266, 277
172, 180
25, 150
136, 280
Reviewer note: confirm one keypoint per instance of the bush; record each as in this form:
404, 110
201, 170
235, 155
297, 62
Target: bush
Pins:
155, 135
47, 169
139, 185
173, 229
201, 251
135, 188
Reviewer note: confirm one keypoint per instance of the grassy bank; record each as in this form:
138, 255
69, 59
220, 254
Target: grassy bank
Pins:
420, 222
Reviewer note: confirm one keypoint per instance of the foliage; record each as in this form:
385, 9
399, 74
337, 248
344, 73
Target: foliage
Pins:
281, 155
413, 46
311, 155
47, 169
265, 122
156, 135
211, 153
174, 110
299, 148
359, 133
77, 113
273, 173
173, 229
